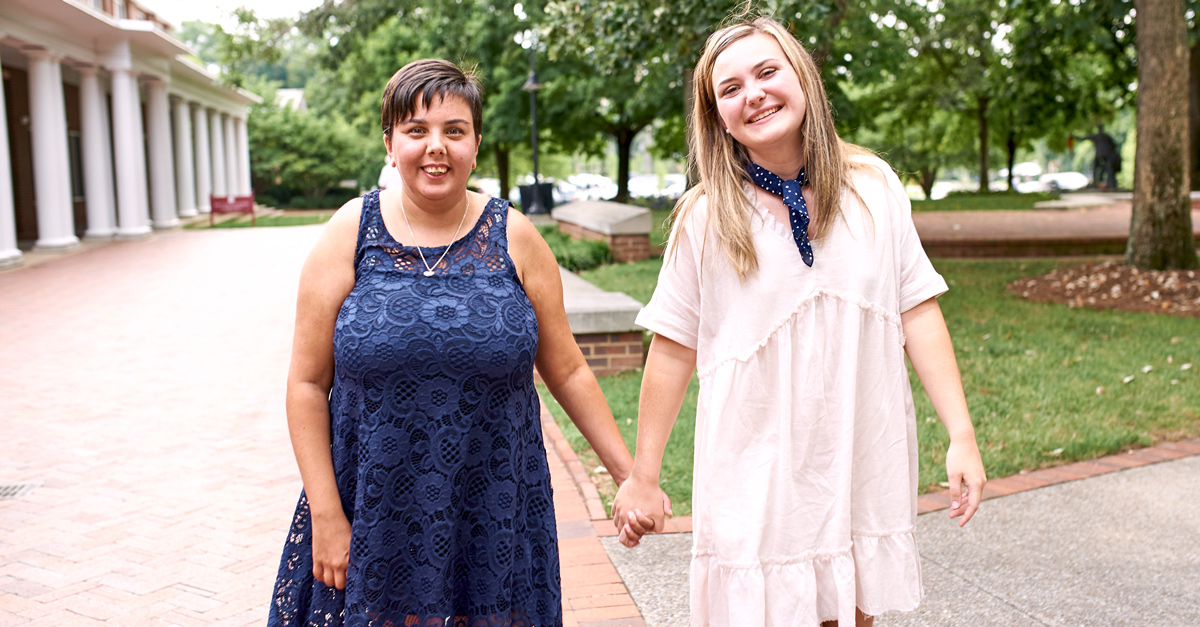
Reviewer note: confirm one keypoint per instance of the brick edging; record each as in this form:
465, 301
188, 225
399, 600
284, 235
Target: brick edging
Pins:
1035, 479
593, 594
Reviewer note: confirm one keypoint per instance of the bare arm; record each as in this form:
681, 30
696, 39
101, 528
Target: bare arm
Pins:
559, 361
325, 281
669, 368
932, 355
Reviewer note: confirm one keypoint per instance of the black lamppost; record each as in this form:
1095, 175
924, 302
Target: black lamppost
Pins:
532, 86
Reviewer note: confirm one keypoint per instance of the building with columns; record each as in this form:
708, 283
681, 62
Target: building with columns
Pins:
107, 129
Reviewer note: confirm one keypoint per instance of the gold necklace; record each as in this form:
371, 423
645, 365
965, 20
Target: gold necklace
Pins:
429, 269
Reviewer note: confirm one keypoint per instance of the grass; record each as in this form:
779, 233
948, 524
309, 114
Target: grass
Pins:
622, 391
1045, 383
983, 202
243, 221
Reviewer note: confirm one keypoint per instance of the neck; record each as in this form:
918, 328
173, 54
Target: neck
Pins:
434, 213
783, 161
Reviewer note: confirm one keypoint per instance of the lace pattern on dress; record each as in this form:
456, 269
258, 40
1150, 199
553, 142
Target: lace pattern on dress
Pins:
437, 445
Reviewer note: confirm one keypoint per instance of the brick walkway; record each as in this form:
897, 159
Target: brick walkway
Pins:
141, 391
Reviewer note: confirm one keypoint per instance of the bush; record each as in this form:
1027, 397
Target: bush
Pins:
575, 254
654, 203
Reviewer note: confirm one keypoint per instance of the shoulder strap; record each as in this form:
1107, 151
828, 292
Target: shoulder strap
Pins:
370, 224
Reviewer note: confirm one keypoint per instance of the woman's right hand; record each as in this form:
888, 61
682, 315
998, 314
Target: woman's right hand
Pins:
639, 508
331, 549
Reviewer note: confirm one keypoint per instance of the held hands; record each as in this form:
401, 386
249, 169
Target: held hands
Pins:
639, 508
967, 478
331, 549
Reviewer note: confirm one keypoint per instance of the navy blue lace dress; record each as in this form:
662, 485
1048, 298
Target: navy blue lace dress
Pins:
437, 446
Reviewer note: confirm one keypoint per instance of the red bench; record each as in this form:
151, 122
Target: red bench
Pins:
231, 204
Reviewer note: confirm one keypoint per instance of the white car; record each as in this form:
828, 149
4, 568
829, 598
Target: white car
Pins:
1063, 181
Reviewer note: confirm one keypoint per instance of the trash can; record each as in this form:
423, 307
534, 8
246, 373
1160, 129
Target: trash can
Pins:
545, 195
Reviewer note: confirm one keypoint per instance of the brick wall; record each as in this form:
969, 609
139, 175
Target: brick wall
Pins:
625, 248
610, 353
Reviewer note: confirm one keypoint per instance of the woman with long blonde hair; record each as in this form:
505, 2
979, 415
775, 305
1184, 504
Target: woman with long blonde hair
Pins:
794, 285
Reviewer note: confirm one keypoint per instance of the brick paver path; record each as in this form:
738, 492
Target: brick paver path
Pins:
141, 385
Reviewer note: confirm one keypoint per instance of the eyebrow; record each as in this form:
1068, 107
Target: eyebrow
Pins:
424, 122
756, 66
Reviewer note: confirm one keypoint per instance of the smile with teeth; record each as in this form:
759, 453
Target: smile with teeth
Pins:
764, 114
435, 170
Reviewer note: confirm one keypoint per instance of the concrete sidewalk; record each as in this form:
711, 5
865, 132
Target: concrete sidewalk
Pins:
1117, 549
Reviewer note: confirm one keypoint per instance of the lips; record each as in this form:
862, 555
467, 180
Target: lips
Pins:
764, 114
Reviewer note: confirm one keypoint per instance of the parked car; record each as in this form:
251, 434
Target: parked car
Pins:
1063, 181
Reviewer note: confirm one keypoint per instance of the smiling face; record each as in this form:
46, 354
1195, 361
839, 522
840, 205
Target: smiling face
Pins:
758, 95
434, 150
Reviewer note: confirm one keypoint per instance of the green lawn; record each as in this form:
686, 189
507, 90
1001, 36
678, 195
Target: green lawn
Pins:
983, 202
1031, 374
313, 217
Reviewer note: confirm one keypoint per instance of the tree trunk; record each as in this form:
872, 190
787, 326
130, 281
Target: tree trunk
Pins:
928, 175
502, 170
1011, 144
624, 138
1194, 114
1160, 236
983, 144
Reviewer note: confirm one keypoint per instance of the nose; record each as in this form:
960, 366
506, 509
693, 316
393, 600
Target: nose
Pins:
437, 144
754, 93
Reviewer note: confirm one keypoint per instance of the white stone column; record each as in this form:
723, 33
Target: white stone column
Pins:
97, 171
243, 150
162, 167
203, 159
51, 165
216, 145
10, 255
130, 164
231, 159
185, 183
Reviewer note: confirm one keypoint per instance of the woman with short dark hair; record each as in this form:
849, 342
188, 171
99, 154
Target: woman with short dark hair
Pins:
421, 315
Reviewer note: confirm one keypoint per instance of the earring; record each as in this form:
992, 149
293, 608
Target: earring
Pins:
727, 131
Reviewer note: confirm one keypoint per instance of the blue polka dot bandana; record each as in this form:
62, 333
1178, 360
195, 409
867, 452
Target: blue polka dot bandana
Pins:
789, 191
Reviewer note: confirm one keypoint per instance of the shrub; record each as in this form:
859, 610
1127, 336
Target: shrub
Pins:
575, 254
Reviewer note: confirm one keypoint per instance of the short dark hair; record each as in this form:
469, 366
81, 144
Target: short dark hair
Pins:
428, 79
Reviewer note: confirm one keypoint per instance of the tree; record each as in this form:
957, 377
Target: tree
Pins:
1160, 237
300, 150
370, 39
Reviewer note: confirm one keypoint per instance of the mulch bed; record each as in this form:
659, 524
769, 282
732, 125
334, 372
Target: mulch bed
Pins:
1113, 285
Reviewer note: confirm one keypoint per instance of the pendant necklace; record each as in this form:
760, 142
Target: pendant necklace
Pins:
429, 269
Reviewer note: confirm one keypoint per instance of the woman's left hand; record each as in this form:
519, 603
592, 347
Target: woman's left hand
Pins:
964, 467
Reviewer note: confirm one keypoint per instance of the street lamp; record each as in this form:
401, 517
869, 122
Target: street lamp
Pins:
532, 86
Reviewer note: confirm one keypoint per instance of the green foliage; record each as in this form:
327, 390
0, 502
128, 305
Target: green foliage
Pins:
303, 151
575, 254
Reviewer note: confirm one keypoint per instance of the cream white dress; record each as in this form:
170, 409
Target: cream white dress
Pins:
805, 475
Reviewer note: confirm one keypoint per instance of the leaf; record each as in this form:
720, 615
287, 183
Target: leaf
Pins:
1055, 453
1127, 379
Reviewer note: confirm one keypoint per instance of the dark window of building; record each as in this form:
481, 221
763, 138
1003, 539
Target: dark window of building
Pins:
75, 147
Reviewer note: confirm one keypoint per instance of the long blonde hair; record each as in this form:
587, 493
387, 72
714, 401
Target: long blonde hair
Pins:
720, 160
